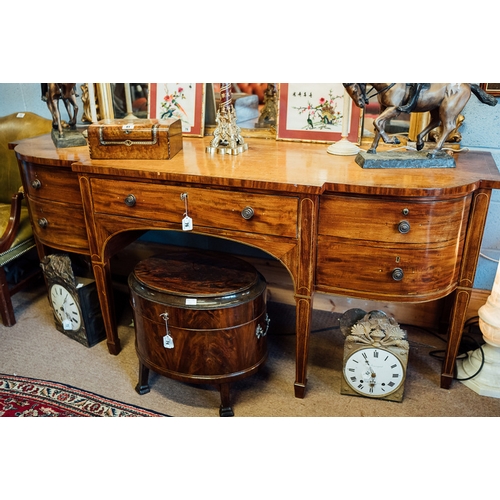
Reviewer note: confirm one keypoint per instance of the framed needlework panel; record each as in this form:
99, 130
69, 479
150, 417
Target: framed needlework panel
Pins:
185, 101
313, 112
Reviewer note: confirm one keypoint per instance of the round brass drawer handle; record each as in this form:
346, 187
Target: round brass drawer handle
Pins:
397, 274
130, 200
404, 227
36, 184
247, 213
43, 223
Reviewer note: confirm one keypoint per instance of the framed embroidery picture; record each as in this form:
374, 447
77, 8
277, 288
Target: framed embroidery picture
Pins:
313, 112
185, 101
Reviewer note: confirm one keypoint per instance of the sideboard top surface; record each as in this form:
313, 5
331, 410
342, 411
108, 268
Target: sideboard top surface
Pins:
278, 166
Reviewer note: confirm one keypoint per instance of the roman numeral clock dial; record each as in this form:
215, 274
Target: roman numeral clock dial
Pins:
65, 308
374, 372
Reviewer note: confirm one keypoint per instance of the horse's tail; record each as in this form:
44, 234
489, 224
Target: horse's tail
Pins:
483, 96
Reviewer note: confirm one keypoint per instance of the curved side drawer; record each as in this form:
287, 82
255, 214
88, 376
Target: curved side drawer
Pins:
60, 225
50, 183
405, 221
399, 272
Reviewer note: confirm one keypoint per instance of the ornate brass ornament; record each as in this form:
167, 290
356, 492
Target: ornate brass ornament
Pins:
269, 113
227, 135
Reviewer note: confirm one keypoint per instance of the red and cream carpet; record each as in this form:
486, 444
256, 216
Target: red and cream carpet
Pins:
28, 397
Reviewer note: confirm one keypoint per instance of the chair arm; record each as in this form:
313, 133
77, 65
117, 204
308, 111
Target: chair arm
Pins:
7, 238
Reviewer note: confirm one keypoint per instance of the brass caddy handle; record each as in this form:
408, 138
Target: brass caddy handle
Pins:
43, 223
247, 213
404, 227
397, 274
36, 184
130, 200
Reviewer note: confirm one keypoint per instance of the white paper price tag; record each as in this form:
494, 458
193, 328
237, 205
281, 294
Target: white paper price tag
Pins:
168, 342
187, 223
67, 325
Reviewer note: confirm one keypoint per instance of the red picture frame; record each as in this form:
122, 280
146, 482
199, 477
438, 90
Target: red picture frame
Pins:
179, 100
315, 115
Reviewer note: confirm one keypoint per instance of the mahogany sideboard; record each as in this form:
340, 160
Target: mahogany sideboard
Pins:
402, 235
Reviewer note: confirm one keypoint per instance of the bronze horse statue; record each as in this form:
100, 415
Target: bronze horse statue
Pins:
52, 93
444, 101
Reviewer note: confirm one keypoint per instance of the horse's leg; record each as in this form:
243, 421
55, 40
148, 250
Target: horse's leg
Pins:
71, 100
71, 120
75, 109
373, 147
388, 114
50, 105
56, 117
433, 123
449, 110
447, 127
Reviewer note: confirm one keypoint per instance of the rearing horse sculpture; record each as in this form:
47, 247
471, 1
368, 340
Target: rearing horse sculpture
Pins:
444, 101
65, 91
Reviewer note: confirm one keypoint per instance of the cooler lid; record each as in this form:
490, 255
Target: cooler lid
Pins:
196, 273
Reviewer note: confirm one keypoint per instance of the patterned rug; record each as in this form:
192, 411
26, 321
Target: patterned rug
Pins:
27, 397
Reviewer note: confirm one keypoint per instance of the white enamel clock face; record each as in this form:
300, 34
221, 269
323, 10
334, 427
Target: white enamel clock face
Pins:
65, 307
373, 372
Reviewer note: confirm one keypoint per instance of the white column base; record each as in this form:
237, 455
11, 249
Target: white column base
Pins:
343, 147
487, 381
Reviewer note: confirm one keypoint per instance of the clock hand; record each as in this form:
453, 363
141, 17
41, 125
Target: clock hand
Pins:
371, 369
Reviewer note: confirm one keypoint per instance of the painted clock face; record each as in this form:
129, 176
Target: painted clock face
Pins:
65, 307
373, 372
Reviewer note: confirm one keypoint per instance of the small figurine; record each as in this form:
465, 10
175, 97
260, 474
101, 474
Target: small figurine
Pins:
63, 134
51, 94
444, 101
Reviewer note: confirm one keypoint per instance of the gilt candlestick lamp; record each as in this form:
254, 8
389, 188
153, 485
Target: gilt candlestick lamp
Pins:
227, 135
344, 147
480, 371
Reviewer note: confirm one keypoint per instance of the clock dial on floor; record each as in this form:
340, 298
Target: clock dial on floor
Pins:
374, 372
65, 307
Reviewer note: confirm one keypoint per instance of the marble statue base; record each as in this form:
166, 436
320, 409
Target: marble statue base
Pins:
404, 159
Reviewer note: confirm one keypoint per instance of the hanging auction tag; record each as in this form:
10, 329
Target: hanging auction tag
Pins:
168, 341
187, 223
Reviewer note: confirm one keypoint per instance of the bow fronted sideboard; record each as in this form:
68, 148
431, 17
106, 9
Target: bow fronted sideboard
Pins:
400, 235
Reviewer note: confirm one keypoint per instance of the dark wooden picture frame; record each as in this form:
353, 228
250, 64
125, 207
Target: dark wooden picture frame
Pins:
491, 88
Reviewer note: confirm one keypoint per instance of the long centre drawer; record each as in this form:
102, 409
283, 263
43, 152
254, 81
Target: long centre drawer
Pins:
233, 210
